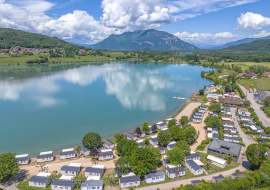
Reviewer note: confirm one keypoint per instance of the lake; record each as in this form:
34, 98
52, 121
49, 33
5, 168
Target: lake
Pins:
50, 108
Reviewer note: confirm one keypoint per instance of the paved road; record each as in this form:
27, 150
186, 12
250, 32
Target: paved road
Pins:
174, 184
262, 117
11, 184
247, 140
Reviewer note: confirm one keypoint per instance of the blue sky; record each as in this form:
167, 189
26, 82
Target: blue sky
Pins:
210, 22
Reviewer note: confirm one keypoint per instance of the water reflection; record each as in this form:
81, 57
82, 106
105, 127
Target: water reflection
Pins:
134, 87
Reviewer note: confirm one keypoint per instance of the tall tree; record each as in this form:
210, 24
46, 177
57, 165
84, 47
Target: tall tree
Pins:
122, 165
94, 152
142, 161
176, 133
164, 138
213, 121
215, 107
171, 123
266, 101
256, 155
92, 140
8, 166
78, 180
184, 120
183, 145
176, 156
138, 130
189, 134
129, 148
156, 152
119, 136
120, 145
145, 127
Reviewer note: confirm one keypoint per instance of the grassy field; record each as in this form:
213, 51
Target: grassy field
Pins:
6, 59
260, 83
246, 65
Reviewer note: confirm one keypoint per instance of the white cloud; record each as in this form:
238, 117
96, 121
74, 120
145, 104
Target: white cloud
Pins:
37, 6
252, 21
261, 34
208, 38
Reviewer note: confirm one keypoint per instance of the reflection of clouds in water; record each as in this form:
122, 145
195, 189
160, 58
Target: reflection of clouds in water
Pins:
133, 86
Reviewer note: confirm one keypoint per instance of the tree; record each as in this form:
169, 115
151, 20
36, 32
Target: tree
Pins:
142, 161
146, 143
156, 152
216, 82
176, 156
212, 121
119, 136
120, 145
91, 140
138, 130
78, 151
145, 127
113, 181
215, 107
78, 180
164, 138
176, 133
189, 134
246, 103
184, 120
94, 152
266, 101
41, 166
196, 109
8, 166
228, 89
171, 123
183, 145
229, 156
122, 165
129, 148
154, 127
255, 155
201, 92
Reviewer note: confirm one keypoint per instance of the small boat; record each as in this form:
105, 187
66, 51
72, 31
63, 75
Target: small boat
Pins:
174, 97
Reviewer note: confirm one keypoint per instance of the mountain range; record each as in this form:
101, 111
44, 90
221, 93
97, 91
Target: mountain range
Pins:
143, 39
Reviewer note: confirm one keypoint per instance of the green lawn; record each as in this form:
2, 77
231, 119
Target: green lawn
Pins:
25, 186
214, 168
260, 83
246, 65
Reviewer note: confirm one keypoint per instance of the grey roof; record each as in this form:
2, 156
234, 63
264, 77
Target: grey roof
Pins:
173, 170
39, 179
22, 158
129, 179
202, 107
196, 182
130, 135
193, 118
197, 113
233, 148
63, 182
161, 148
85, 149
166, 161
180, 125
68, 152
69, 168
197, 116
162, 124
219, 178
155, 174
192, 164
192, 156
230, 128
150, 128
108, 142
45, 156
258, 127
171, 145
237, 174
93, 170
140, 143
92, 183
215, 135
232, 138
264, 135
154, 140
108, 153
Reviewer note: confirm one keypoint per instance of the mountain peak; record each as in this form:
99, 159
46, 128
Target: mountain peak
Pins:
140, 39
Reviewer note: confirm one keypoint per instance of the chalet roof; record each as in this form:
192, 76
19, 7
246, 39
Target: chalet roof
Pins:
219, 178
192, 156
39, 179
108, 142
130, 135
192, 164
63, 182
231, 100
129, 179
155, 174
92, 183
225, 147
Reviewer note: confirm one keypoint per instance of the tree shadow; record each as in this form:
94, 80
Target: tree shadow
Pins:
246, 164
22, 174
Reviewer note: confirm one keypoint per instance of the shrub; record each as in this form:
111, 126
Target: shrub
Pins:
200, 147
252, 132
263, 139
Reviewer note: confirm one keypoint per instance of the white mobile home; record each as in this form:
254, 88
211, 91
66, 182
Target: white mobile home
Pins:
92, 184
130, 136
174, 172
40, 180
155, 177
85, 151
105, 154
217, 161
129, 181
71, 170
64, 182
95, 172
45, 156
171, 145
23, 159
153, 140
194, 168
109, 144
67, 153
161, 125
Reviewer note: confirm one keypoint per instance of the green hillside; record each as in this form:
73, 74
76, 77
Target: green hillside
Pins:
257, 45
11, 37
142, 39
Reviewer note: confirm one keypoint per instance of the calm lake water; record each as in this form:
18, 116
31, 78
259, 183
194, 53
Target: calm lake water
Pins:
53, 108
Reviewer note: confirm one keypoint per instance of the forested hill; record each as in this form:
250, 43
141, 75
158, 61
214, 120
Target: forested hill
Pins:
11, 37
257, 45
143, 39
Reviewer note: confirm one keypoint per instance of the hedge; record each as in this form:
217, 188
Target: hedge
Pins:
263, 139
252, 132
200, 147
267, 111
